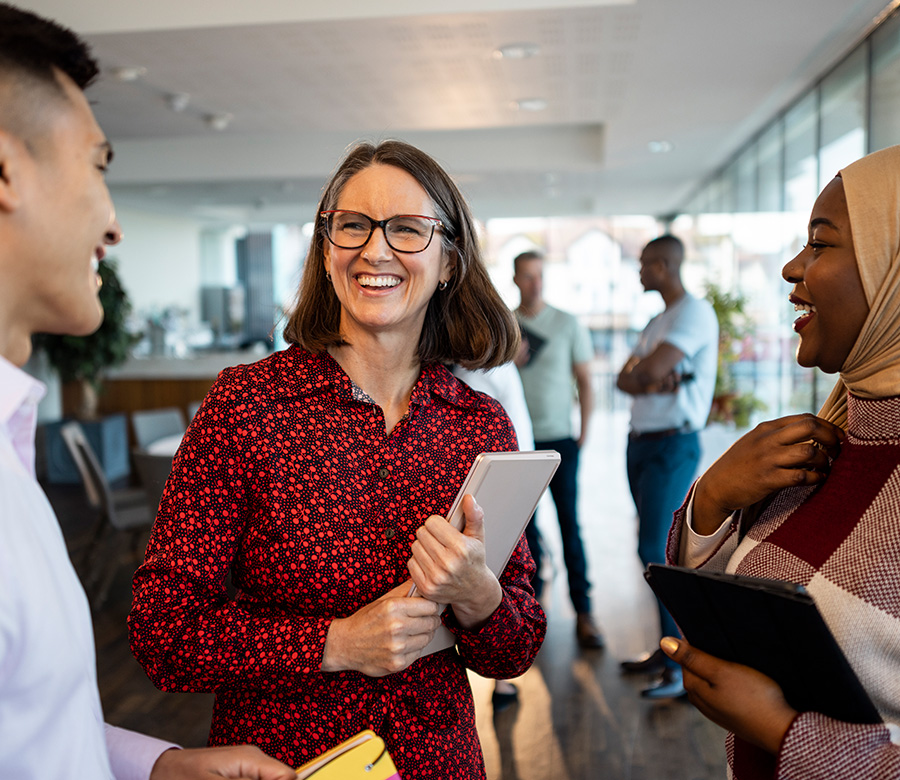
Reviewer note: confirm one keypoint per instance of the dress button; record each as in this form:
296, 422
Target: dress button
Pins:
383, 473
390, 533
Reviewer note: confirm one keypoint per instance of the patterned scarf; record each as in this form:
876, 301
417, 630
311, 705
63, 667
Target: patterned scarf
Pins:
872, 369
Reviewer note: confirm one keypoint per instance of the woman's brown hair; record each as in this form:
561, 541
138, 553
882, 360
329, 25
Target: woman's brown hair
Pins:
467, 323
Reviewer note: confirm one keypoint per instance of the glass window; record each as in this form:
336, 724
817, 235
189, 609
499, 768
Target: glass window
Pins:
843, 130
745, 184
770, 168
885, 129
800, 162
729, 188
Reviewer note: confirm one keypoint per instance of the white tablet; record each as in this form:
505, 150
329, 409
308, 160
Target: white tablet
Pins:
507, 486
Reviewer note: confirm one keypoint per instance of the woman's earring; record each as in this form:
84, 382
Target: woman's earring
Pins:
328, 276
442, 285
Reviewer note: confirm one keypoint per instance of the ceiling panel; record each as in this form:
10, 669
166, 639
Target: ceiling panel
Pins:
304, 80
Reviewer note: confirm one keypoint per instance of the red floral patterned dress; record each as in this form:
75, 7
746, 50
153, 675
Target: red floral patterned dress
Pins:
287, 479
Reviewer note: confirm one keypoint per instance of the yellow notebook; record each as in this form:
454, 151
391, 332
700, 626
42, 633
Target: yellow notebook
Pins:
362, 756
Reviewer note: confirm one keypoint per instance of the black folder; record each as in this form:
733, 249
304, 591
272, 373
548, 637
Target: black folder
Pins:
771, 626
535, 343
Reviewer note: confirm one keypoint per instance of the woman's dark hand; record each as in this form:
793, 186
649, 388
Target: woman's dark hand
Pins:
736, 697
781, 453
448, 566
382, 637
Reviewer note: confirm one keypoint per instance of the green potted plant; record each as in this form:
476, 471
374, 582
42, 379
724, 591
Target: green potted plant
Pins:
83, 359
729, 404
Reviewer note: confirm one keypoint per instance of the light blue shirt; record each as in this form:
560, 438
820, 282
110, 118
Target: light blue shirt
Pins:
690, 325
548, 379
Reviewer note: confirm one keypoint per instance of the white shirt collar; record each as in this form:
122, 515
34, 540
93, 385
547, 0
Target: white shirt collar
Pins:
19, 398
17, 389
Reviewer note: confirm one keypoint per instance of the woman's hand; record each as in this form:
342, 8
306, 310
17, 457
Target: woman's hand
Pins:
382, 637
448, 566
736, 697
777, 454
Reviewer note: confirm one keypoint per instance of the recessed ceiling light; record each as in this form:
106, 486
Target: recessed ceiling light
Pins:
128, 73
660, 147
529, 104
517, 51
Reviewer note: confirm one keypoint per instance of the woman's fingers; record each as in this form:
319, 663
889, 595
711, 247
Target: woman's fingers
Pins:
382, 637
736, 697
800, 428
445, 561
786, 452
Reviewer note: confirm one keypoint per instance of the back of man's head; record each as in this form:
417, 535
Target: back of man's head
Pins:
33, 51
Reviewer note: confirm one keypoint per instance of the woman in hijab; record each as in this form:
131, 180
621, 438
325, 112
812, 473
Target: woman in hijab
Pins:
830, 488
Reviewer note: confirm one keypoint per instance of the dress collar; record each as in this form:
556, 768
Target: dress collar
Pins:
315, 373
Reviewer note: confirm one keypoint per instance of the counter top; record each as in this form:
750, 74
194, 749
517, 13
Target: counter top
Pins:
200, 365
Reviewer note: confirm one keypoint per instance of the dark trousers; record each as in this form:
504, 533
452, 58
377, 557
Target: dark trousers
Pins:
660, 472
564, 490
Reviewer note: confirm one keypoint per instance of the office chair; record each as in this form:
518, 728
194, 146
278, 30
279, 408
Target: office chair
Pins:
151, 425
153, 471
121, 515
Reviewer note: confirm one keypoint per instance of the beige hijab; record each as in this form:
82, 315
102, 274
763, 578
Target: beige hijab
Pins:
872, 369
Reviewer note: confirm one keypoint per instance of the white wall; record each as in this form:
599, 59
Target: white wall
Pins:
160, 261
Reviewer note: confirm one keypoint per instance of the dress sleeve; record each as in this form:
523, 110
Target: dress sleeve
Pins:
508, 643
687, 548
696, 549
816, 746
185, 629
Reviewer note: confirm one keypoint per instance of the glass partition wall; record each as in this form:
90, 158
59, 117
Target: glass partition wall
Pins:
750, 218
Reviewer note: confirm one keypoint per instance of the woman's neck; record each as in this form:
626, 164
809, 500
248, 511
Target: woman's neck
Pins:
384, 372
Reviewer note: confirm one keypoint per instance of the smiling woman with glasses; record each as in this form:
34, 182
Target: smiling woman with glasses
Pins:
318, 480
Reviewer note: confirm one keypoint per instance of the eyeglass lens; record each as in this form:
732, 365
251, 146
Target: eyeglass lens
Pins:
350, 230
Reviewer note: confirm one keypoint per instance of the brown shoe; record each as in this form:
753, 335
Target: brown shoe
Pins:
648, 663
586, 631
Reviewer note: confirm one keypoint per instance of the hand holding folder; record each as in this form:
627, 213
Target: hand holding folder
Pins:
507, 486
771, 626
363, 756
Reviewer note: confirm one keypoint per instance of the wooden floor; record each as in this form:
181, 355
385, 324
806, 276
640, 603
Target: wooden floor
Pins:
577, 718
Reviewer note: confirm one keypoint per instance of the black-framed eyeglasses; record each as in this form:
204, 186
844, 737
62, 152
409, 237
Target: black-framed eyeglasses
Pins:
404, 233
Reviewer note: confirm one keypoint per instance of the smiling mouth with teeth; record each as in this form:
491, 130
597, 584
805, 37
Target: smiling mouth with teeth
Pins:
377, 281
807, 310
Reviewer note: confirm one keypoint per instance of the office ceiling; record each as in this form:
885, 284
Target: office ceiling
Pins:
302, 80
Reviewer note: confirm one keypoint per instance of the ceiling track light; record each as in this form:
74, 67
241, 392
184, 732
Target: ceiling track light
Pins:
218, 121
529, 104
178, 101
517, 51
128, 72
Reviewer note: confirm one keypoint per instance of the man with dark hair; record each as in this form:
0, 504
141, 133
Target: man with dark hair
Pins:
671, 375
556, 355
56, 218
